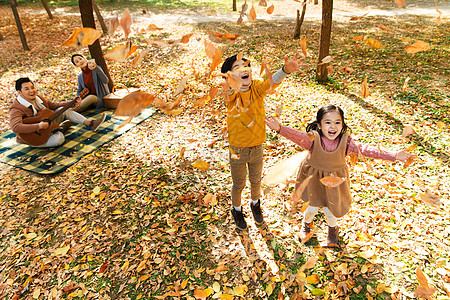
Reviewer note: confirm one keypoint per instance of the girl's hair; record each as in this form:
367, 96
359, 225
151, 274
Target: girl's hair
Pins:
75, 55
322, 111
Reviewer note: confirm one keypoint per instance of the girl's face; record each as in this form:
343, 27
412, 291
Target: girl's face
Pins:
80, 62
331, 125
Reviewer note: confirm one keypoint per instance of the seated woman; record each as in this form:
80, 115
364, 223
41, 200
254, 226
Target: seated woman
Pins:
92, 77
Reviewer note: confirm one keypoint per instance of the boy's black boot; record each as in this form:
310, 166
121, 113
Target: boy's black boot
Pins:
257, 214
239, 220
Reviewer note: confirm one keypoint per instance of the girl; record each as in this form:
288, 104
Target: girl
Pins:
92, 77
328, 149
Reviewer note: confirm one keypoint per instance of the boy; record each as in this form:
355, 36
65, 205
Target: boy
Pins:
247, 131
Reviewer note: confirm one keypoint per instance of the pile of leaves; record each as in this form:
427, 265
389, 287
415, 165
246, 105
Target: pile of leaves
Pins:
147, 216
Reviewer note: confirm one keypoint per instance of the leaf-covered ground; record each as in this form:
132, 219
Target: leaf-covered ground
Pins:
135, 220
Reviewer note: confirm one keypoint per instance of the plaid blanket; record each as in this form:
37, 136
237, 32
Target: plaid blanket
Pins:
79, 142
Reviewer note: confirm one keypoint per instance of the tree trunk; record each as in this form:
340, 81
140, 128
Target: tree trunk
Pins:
19, 26
47, 9
316, 2
325, 37
234, 5
298, 24
87, 19
99, 17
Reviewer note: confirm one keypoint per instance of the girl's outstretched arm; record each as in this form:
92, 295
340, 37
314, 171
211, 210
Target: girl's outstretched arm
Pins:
376, 152
299, 137
403, 155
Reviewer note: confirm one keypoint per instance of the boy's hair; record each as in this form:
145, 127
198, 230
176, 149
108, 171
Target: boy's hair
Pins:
228, 63
75, 55
322, 111
20, 81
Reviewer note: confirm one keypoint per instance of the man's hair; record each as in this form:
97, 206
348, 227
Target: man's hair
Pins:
75, 55
20, 81
228, 63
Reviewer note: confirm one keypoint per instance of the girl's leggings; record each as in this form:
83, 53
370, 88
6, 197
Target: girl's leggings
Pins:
311, 211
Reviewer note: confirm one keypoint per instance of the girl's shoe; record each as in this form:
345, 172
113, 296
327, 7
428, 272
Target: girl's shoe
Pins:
333, 237
306, 229
257, 214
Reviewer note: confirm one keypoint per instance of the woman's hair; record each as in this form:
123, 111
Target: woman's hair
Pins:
75, 55
322, 111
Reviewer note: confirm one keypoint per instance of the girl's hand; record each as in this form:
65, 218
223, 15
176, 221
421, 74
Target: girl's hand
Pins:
273, 123
294, 64
403, 156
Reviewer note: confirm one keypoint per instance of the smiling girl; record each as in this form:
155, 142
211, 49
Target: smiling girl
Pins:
328, 143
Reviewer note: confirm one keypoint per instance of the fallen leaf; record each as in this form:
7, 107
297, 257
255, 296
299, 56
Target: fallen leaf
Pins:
309, 264
430, 198
418, 46
405, 85
200, 164
358, 18
423, 290
382, 27
409, 161
200, 294
152, 27
185, 38
408, 130
62, 251
358, 38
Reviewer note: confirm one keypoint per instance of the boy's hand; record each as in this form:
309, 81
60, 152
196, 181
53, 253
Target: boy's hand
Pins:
273, 123
403, 156
294, 64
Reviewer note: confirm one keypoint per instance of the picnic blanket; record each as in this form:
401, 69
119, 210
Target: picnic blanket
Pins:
79, 142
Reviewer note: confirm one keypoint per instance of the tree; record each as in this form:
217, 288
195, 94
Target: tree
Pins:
19, 25
87, 19
47, 9
325, 37
234, 5
299, 22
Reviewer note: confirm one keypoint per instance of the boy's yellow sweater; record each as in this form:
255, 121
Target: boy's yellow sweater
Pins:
246, 112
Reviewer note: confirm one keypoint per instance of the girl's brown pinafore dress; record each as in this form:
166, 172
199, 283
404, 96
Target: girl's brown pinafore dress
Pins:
319, 164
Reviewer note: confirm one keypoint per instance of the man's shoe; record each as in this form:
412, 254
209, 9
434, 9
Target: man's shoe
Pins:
64, 126
238, 217
257, 214
95, 124
305, 230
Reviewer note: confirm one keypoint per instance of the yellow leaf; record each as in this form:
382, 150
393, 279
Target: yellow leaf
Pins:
144, 277
125, 265
208, 291
318, 292
173, 112
31, 235
401, 3
269, 289
184, 283
366, 254
226, 297
240, 290
206, 218
200, 164
62, 250
364, 269
200, 294
303, 45
313, 279
117, 212
381, 288
96, 190
373, 43
440, 124
36, 292
79, 219
216, 286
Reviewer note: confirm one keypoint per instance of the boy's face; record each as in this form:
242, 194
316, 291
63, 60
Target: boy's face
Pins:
28, 91
243, 72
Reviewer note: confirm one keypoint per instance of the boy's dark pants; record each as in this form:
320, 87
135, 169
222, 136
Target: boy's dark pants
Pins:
251, 158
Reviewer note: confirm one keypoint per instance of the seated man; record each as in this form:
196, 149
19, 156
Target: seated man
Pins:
27, 105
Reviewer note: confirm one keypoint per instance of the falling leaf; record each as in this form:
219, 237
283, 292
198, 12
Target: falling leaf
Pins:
252, 13
233, 154
233, 80
113, 24
132, 104
358, 18
358, 38
138, 59
262, 3
430, 198
296, 196
418, 46
222, 36
326, 60
270, 9
125, 22
303, 45
200, 164
373, 43
157, 43
405, 85
166, 106
210, 49
279, 110
409, 161
332, 181
364, 88
62, 251
216, 60
185, 38
282, 170
209, 200
401, 3
408, 130
311, 136
423, 290
121, 52
82, 37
